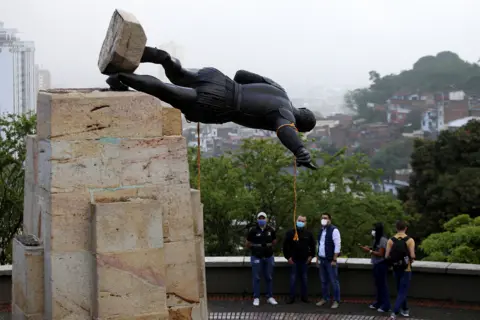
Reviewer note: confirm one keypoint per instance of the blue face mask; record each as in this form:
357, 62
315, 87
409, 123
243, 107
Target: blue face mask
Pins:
262, 222
300, 224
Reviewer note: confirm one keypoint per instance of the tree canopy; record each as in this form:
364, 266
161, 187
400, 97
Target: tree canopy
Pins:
445, 71
393, 156
459, 243
14, 129
445, 178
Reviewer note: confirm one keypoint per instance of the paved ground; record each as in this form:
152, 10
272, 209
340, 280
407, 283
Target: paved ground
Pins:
238, 308
223, 308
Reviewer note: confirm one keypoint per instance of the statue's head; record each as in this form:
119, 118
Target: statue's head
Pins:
305, 120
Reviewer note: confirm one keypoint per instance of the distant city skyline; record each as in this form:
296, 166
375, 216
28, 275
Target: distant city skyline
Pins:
18, 79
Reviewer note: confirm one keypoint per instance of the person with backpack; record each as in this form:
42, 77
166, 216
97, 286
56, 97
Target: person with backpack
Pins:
380, 268
400, 255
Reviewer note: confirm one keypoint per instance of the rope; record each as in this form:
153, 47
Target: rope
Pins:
295, 237
287, 125
198, 156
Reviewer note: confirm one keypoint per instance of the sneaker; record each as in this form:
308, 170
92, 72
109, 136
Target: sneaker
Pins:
381, 310
373, 307
405, 313
393, 316
256, 302
321, 303
334, 305
272, 301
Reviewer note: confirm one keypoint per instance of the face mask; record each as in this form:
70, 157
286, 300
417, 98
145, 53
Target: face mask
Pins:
300, 224
261, 222
373, 233
324, 222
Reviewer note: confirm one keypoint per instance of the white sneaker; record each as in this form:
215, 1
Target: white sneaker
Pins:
272, 301
321, 303
405, 313
256, 302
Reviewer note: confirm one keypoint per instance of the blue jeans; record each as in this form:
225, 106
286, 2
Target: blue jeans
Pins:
403, 280
299, 268
380, 272
262, 266
329, 276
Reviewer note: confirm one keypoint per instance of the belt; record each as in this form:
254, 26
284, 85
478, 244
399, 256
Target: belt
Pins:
237, 96
259, 245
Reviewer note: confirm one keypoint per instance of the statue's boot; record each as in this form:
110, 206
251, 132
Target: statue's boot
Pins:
173, 68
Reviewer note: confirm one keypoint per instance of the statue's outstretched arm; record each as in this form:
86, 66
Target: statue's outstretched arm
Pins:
247, 77
288, 135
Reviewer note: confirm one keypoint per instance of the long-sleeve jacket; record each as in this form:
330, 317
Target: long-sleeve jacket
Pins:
299, 250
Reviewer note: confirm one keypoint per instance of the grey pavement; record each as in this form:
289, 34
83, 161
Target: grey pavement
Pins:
243, 309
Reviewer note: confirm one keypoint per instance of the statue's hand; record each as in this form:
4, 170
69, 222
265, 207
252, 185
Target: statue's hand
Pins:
144, 83
303, 159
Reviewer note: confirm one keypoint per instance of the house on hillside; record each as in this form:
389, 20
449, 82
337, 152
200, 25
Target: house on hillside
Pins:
454, 125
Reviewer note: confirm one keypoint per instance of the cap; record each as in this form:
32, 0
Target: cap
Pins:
261, 214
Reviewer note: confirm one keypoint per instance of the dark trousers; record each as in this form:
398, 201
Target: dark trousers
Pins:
380, 273
403, 279
329, 275
298, 269
262, 266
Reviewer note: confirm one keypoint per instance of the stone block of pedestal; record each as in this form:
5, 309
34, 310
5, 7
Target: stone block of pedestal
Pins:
27, 279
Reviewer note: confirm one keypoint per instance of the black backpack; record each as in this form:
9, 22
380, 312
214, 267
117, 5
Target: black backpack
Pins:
399, 254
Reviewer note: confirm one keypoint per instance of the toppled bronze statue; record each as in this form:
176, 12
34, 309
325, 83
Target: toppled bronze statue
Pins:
208, 96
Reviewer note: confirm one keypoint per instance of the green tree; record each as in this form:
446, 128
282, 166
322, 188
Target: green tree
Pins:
445, 178
393, 156
264, 164
14, 129
459, 243
225, 203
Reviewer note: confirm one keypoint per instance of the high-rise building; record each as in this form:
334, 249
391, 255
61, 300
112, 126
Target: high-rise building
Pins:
43, 79
18, 90
175, 51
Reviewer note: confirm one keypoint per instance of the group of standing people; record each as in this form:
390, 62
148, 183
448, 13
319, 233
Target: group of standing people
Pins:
397, 252
300, 253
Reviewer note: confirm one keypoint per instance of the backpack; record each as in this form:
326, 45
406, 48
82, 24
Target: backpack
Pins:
399, 254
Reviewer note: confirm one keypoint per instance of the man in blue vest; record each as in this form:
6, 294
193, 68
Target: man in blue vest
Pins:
329, 244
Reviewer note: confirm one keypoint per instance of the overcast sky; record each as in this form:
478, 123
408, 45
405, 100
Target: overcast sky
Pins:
297, 43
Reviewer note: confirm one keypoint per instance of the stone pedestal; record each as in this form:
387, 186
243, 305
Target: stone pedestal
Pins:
107, 191
27, 281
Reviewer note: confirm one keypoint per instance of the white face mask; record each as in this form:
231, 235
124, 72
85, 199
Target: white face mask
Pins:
324, 222
373, 233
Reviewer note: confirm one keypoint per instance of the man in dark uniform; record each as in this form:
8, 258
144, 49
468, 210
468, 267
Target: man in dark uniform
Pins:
261, 240
208, 96
299, 255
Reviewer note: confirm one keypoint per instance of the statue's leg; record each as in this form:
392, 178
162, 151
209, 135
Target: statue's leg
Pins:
173, 68
177, 96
